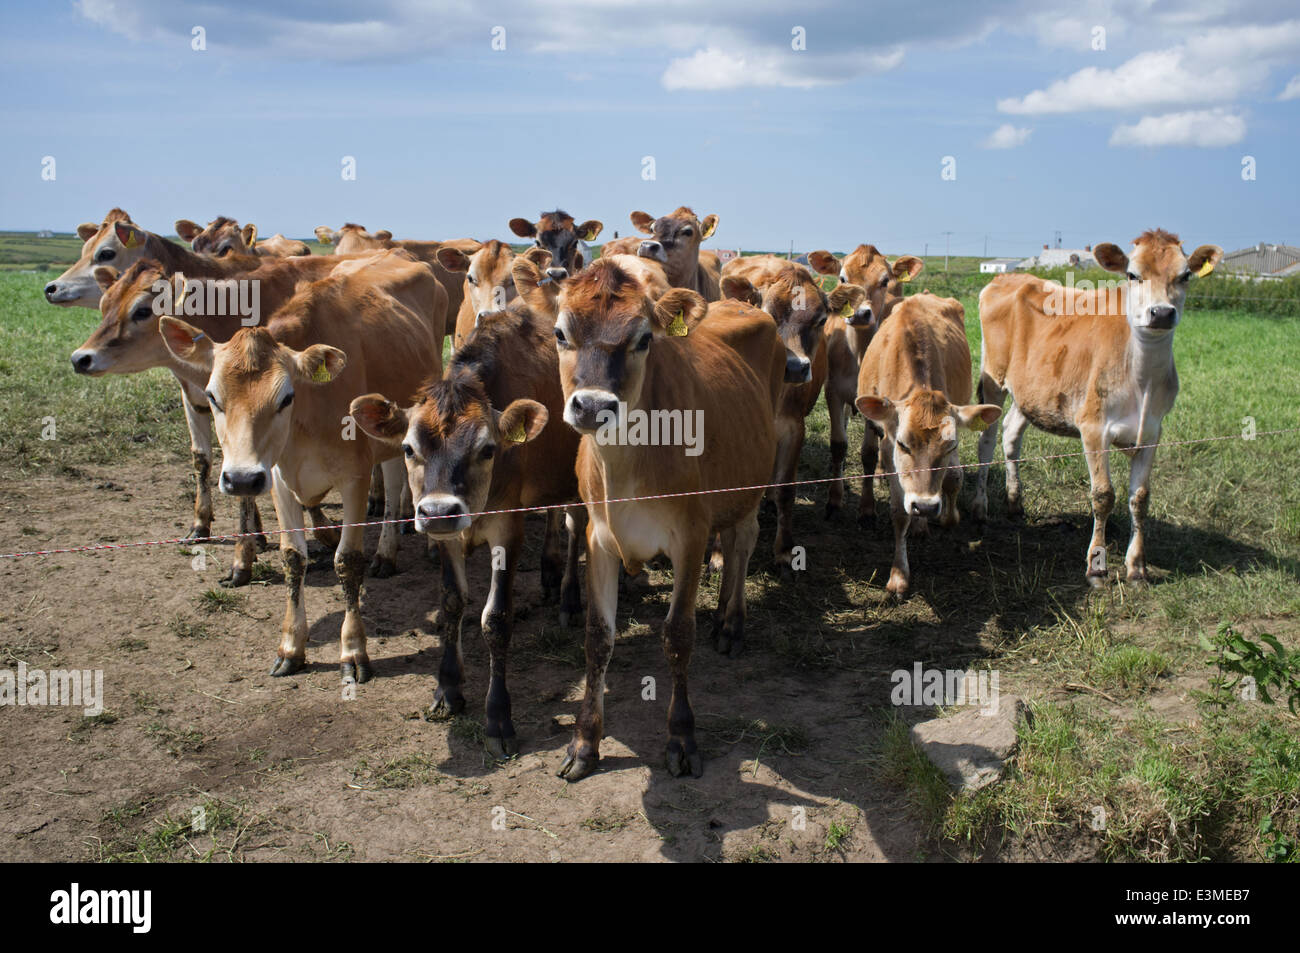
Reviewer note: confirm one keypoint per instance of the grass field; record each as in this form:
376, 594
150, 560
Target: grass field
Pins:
1126, 715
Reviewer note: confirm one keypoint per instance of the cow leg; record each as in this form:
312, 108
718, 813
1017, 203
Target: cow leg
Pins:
575, 520
448, 697
603, 563
1013, 434
375, 499
900, 573
246, 546
498, 618
350, 565
1135, 561
406, 508
1103, 501
786, 471
950, 517
291, 654
552, 574
869, 453
729, 620
837, 410
679, 642
385, 561
329, 538
198, 418
989, 393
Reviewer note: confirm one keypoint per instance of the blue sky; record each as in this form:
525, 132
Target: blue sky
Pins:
838, 143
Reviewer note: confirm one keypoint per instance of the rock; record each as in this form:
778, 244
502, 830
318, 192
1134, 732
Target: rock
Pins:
971, 747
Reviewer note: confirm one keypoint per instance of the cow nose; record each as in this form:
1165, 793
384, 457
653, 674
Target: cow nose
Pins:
586, 409
440, 509
249, 482
81, 361
1162, 315
653, 250
441, 515
50, 289
861, 316
926, 508
556, 274
798, 370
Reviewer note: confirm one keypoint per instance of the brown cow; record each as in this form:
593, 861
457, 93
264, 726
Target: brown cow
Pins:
1096, 364
621, 356
675, 242
224, 236
562, 237
914, 383
103, 245
281, 395
489, 283
847, 338
792, 296
478, 440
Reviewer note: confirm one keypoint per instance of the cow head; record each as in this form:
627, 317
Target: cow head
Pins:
605, 329
566, 241
488, 274
250, 388
675, 240
452, 439
1158, 275
923, 431
127, 340
870, 270
353, 239
116, 243
223, 236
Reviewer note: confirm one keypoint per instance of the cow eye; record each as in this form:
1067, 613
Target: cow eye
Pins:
488, 452
903, 447
560, 339
1185, 276
408, 450
142, 313
105, 254
643, 342
687, 231
286, 401
1133, 277
212, 401
471, 279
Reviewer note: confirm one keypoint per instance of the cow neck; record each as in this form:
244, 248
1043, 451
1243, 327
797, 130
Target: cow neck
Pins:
174, 258
1150, 359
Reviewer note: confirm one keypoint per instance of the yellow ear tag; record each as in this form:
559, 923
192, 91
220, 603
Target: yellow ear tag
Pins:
517, 433
678, 328
978, 424
905, 277
847, 310
322, 374
132, 240
1205, 269
591, 235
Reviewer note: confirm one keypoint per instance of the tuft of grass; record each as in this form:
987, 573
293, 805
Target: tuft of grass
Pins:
410, 771
221, 600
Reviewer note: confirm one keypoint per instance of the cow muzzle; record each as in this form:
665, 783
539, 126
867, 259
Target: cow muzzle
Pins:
244, 481
1162, 317
861, 318
588, 409
798, 370
441, 515
653, 250
924, 507
85, 361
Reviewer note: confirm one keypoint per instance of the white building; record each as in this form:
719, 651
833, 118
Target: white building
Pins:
1062, 258
998, 266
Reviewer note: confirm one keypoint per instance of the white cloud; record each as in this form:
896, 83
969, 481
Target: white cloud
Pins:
713, 68
1006, 136
1292, 90
1206, 128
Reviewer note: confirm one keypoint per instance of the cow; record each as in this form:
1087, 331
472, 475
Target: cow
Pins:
914, 385
281, 394
115, 243
1095, 364
489, 283
486, 437
622, 354
792, 296
847, 338
224, 236
562, 237
675, 242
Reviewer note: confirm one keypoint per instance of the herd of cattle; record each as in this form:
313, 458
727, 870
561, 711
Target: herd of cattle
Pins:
550, 346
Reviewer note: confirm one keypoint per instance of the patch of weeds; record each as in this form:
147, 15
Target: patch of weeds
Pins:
183, 628
410, 771
837, 834
1132, 667
221, 600
607, 822
88, 723
129, 644
173, 741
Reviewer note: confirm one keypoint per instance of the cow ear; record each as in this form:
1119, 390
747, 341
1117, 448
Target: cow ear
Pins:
741, 289
1111, 257
521, 421
187, 230
325, 236
678, 311
824, 263
978, 416
87, 230
589, 229
129, 235
249, 234
453, 259
846, 299
187, 343
708, 226
539, 257
523, 228
906, 268
879, 409
643, 221
384, 235
380, 418
1204, 259
528, 283
105, 276
319, 364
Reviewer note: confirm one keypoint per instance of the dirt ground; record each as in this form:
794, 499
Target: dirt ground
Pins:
289, 769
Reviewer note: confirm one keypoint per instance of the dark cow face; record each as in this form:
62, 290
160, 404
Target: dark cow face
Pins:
452, 439
222, 237
605, 329
872, 271
556, 233
1158, 275
675, 240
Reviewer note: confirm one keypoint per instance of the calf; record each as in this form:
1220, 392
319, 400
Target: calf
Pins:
675, 242
281, 394
224, 236
791, 295
847, 336
619, 354
466, 457
914, 382
489, 283
1093, 364
558, 234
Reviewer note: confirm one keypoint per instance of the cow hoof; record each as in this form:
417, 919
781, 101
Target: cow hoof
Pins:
381, 567
357, 669
287, 666
329, 538
239, 576
1097, 580
979, 513
502, 749
680, 763
786, 571
569, 619
731, 648
446, 703
575, 767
